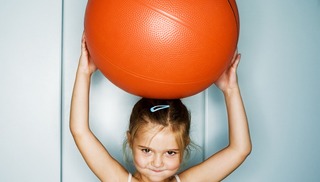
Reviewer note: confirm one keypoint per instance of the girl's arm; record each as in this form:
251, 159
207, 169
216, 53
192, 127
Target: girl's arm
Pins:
221, 164
96, 156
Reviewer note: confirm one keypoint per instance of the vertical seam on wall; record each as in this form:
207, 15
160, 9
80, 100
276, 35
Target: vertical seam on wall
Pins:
205, 125
61, 87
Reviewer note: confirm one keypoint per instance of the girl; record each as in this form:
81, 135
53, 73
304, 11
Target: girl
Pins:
158, 134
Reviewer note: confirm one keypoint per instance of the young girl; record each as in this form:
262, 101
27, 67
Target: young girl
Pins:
158, 134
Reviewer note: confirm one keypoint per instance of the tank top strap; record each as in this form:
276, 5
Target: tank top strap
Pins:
129, 177
177, 178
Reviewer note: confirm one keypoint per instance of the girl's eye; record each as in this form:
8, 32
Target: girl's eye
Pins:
146, 150
171, 153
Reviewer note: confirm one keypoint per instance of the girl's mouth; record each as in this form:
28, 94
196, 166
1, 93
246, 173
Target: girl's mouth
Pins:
157, 170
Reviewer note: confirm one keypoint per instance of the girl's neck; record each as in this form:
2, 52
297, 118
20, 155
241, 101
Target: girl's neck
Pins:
141, 178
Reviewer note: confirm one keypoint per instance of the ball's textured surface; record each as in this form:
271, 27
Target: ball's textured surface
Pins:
162, 49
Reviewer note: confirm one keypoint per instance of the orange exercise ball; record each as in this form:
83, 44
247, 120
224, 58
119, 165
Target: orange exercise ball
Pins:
162, 49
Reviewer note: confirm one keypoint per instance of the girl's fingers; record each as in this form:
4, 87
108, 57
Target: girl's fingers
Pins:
236, 61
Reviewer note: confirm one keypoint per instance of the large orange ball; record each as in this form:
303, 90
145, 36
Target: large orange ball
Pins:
162, 49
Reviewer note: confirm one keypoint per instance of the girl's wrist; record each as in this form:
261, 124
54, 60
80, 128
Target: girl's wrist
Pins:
231, 91
84, 73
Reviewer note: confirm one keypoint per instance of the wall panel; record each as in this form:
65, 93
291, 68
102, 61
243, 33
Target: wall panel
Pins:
278, 74
30, 44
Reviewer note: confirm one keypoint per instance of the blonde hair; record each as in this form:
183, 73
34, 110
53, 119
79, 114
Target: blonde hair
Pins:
175, 115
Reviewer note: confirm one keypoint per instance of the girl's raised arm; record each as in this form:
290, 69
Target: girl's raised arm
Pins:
96, 156
221, 164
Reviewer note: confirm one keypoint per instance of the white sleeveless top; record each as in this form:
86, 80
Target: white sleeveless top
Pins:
176, 176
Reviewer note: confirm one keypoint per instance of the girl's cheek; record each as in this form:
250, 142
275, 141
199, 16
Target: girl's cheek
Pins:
173, 164
140, 161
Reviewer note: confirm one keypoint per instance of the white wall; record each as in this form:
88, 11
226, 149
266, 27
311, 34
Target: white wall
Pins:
281, 41
278, 74
30, 44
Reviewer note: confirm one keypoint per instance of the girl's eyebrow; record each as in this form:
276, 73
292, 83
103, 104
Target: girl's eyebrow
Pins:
175, 150
141, 146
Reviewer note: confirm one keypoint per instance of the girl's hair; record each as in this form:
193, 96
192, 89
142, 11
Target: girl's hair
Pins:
172, 113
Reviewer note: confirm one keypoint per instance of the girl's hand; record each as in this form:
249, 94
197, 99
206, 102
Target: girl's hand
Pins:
86, 65
228, 80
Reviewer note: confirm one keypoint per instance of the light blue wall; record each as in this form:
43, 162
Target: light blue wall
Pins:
280, 41
278, 75
30, 64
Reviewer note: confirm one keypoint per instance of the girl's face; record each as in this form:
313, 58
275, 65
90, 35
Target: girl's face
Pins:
155, 153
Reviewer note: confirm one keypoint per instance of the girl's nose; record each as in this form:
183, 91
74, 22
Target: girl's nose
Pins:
157, 161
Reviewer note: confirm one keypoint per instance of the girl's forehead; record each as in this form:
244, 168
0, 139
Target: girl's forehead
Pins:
155, 135
151, 129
